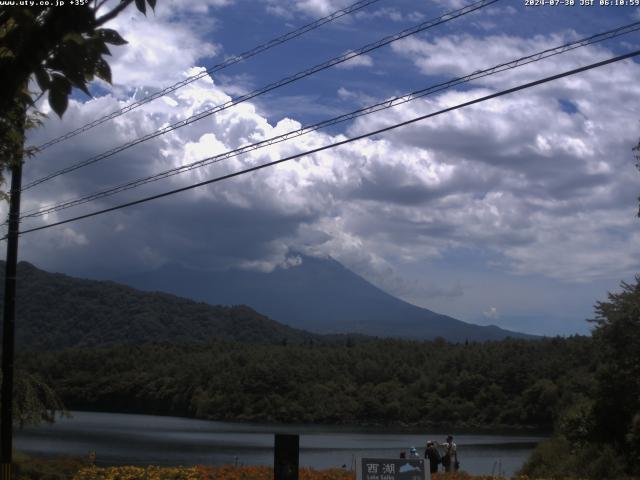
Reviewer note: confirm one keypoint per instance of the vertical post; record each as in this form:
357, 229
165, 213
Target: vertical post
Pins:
8, 325
285, 458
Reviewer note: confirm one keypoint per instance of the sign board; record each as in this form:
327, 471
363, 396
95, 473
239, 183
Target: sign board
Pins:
392, 469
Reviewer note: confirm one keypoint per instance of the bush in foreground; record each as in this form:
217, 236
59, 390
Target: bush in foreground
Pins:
61, 468
558, 458
74, 469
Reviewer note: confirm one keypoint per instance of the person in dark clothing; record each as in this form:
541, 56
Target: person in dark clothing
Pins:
431, 452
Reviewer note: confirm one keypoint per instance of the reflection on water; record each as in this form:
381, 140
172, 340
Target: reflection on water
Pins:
145, 439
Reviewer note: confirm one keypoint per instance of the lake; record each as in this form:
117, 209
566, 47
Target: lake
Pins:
153, 440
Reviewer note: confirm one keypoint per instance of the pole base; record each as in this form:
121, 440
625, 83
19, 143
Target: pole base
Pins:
7, 472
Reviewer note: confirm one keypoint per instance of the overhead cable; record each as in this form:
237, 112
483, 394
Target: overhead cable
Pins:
287, 80
216, 68
342, 142
389, 103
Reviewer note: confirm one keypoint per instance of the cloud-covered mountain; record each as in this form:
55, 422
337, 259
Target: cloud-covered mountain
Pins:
318, 295
525, 203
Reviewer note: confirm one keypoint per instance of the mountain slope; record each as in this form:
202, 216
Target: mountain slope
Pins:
55, 311
320, 295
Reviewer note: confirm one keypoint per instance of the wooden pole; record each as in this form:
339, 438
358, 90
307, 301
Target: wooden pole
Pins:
8, 326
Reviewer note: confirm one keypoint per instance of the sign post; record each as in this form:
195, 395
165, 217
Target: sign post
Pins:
286, 457
392, 469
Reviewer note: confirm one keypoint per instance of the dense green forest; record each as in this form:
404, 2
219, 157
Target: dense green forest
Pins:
513, 383
599, 435
55, 311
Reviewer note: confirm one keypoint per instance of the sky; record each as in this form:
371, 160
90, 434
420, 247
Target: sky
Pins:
518, 211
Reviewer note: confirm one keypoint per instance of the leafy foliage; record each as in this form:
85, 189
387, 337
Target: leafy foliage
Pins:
599, 436
616, 410
60, 48
34, 401
203, 473
558, 458
58, 468
232, 473
512, 383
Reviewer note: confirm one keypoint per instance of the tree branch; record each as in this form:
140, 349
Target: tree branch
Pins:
99, 4
113, 13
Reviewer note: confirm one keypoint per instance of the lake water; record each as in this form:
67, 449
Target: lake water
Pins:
153, 440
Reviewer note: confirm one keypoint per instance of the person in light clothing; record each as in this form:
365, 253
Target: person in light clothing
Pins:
450, 457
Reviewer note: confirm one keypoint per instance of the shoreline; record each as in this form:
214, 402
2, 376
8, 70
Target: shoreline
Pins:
371, 427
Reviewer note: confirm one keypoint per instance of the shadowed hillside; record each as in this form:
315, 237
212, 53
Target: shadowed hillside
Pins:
319, 295
55, 311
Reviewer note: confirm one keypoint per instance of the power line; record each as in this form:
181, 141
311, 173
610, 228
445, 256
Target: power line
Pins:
390, 103
343, 142
216, 68
293, 78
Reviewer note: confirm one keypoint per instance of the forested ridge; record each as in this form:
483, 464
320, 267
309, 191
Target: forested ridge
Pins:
512, 383
56, 311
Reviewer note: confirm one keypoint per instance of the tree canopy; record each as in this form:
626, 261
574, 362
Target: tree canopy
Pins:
61, 48
616, 410
599, 434
510, 383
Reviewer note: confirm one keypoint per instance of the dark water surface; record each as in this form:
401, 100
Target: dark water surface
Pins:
152, 440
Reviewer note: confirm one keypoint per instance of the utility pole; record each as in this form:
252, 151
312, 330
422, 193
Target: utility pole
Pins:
8, 322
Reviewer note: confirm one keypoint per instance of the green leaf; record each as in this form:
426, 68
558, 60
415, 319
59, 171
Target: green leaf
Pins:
111, 36
74, 62
6, 52
103, 70
83, 86
142, 6
59, 93
74, 37
100, 47
42, 78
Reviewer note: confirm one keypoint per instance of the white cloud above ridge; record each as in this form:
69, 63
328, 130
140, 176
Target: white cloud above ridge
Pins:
390, 13
315, 8
354, 62
541, 196
442, 55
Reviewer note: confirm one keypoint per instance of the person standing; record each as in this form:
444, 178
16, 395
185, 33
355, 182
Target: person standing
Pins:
432, 453
450, 457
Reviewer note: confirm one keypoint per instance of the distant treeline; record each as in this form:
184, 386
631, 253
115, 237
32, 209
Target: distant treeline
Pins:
511, 383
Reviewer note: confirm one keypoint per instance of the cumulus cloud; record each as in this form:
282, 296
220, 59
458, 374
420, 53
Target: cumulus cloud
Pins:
542, 180
156, 44
392, 14
316, 8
